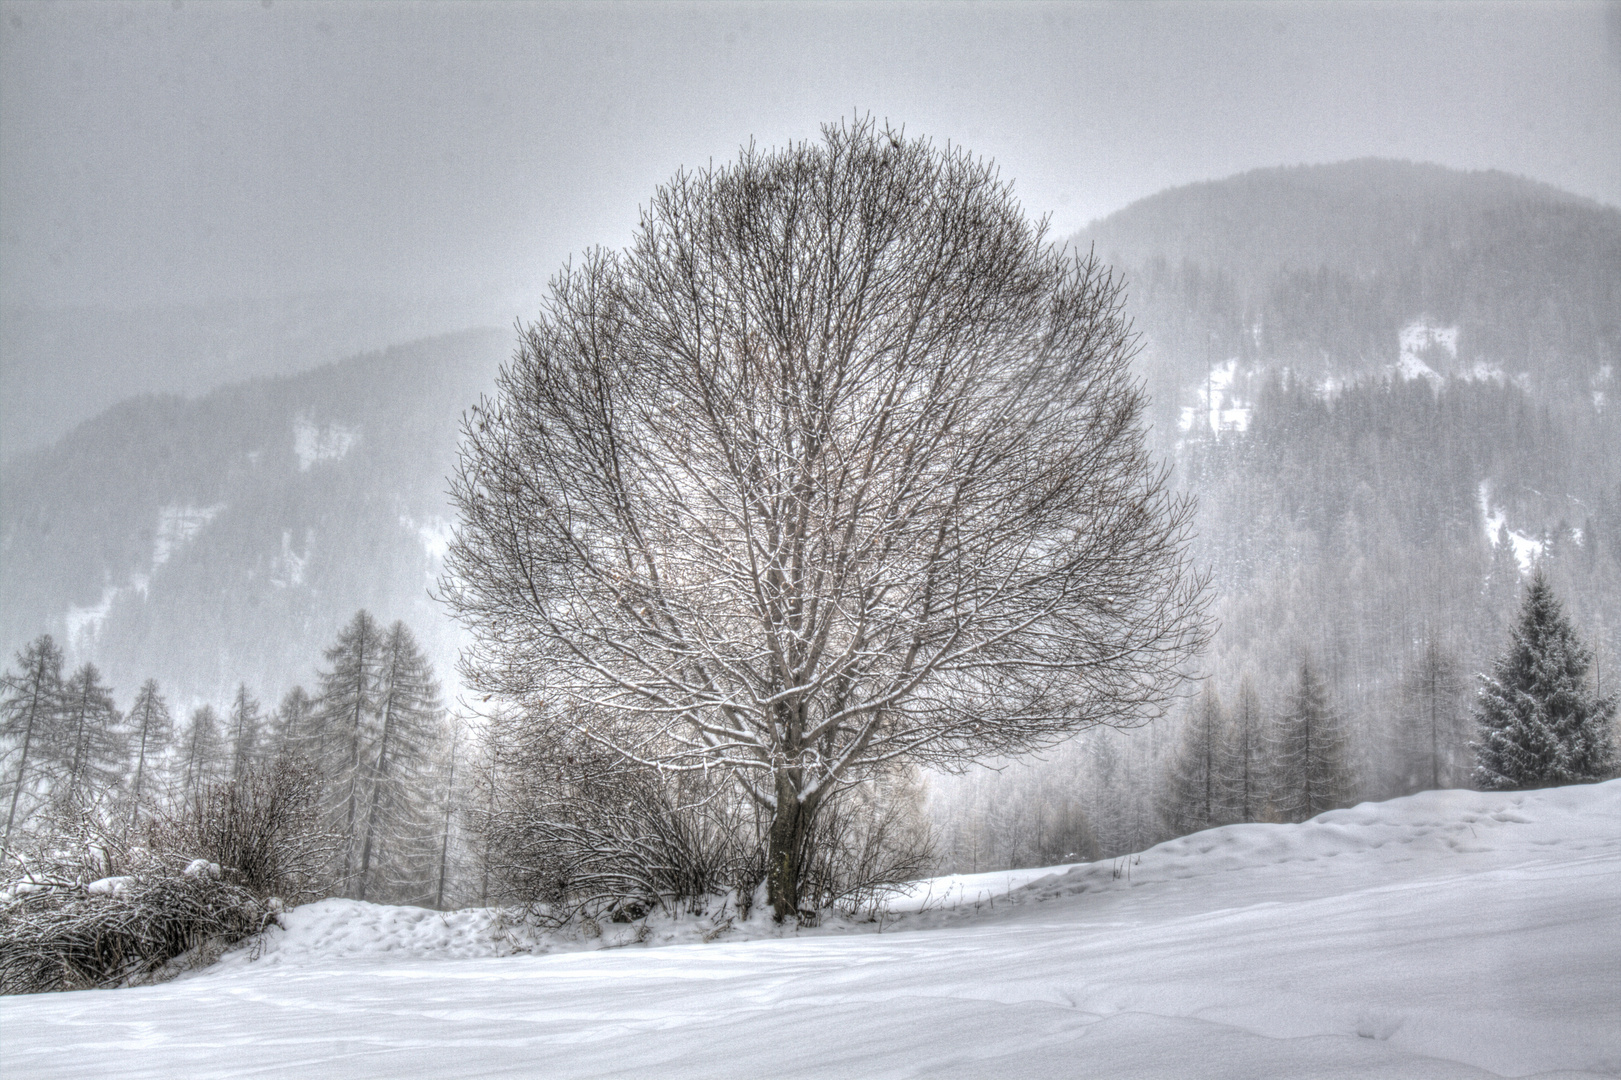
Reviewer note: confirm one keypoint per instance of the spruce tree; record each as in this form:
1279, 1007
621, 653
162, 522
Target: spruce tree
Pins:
30, 721
1312, 775
1537, 723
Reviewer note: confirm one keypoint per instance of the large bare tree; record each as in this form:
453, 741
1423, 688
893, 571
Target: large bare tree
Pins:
839, 464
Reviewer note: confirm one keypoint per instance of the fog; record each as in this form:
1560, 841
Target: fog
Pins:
402, 169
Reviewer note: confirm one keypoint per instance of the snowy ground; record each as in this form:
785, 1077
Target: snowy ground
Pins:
1451, 934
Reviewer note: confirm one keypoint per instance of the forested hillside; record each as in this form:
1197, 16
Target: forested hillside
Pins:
1391, 387
214, 541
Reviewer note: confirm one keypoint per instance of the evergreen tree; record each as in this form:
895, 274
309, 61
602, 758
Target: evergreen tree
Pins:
1311, 771
399, 826
94, 753
30, 722
1538, 725
1192, 797
246, 735
201, 754
150, 730
347, 710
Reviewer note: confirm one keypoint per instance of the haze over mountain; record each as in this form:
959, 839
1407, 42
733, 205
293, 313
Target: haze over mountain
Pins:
223, 539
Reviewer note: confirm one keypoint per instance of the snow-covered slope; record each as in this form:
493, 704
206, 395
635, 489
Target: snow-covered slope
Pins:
1450, 934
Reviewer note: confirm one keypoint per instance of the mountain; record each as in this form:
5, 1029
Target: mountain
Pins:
1344, 270
226, 538
108, 354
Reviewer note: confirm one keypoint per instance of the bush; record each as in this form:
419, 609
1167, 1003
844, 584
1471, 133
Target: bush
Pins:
119, 931
572, 830
263, 829
94, 901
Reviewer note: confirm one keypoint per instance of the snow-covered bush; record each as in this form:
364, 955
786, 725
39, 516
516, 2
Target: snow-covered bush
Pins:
61, 935
93, 900
262, 829
571, 830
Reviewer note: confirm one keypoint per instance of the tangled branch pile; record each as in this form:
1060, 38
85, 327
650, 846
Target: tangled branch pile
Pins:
99, 903
63, 936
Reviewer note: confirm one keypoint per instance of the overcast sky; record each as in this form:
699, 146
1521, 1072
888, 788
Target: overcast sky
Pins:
190, 151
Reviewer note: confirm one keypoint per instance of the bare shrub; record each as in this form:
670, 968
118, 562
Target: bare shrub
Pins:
263, 829
94, 901
573, 830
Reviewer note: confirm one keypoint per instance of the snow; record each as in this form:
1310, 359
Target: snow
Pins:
110, 886
1526, 550
1420, 340
84, 623
1218, 407
1448, 934
289, 565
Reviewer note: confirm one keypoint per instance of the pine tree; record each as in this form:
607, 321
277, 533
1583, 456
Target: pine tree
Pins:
150, 730
399, 822
1191, 800
1537, 723
348, 707
30, 720
245, 725
201, 755
1312, 775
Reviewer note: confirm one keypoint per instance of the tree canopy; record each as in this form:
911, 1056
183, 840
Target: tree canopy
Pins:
839, 464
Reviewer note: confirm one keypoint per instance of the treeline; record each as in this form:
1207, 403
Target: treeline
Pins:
373, 740
1361, 595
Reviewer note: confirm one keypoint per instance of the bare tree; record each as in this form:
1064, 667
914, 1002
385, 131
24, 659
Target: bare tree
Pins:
839, 465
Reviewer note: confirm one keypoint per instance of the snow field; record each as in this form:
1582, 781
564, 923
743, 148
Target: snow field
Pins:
1450, 934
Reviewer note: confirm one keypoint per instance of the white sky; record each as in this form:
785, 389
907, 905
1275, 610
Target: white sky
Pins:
176, 152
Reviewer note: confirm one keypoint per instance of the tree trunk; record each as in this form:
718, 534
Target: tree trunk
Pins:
788, 846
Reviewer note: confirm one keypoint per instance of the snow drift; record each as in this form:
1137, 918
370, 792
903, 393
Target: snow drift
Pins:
1449, 934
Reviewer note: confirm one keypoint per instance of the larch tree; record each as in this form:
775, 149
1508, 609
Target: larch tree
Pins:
1244, 765
151, 729
348, 698
1310, 766
1538, 723
296, 731
246, 731
30, 721
200, 754
1434, 735
839, 465
93, 753
400, 820
1192, 797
